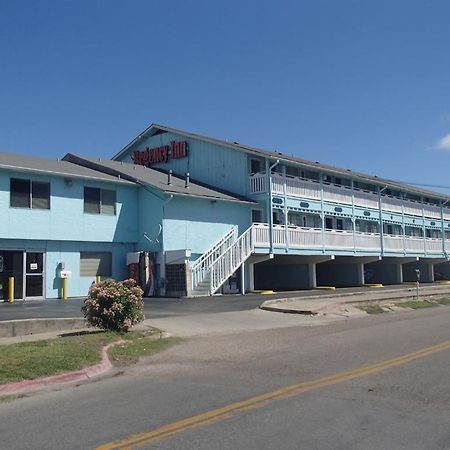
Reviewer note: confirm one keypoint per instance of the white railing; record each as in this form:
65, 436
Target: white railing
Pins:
414, 244
365, 199
337, 194
432, 211
393, 243
258, 183
310, 189
336, 239
224, 266
446, 213
305, 237
329, 240
367, 241
201, 267
434, 245
392, 204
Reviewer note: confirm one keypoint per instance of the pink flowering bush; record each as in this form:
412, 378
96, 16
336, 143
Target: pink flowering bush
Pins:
114, 305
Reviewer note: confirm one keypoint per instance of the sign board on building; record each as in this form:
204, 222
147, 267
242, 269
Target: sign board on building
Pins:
162, 154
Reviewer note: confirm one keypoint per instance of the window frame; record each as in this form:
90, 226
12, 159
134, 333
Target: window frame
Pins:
99, 201
32, 199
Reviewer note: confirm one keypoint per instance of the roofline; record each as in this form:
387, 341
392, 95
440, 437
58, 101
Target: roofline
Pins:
277, 155
74, 159
62, 174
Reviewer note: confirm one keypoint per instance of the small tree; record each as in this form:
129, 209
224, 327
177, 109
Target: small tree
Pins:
114, 305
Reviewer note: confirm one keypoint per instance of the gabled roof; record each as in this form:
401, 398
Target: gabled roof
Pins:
156, 179
33, 164
273, 155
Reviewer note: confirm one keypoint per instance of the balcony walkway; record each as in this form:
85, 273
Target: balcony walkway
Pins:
314, 190
300, 240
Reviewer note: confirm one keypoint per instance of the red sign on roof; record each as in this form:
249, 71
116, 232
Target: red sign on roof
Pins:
162, 154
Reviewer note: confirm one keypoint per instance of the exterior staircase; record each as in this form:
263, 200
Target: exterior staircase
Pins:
214, 267
201, 268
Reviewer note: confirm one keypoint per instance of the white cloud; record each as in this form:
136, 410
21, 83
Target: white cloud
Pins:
444, 143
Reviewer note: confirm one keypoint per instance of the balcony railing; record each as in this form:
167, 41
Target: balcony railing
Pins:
329, 240
311, 189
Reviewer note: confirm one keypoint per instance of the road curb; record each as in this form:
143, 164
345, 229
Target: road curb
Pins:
27, 386
277, 305
25, 327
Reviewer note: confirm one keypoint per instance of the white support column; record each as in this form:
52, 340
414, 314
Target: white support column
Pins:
399, 273
243, 279
312, 275
360, 269
430, 272
251, 276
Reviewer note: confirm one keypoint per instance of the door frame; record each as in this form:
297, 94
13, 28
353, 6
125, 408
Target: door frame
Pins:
25, 273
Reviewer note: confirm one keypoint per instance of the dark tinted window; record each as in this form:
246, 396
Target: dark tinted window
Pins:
20, 193
99, 201
29, 194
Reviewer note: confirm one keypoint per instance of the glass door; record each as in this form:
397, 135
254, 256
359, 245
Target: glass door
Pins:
11, 265
34, 275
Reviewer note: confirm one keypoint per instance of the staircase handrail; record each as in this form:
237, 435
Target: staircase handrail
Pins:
229, 261
202, 265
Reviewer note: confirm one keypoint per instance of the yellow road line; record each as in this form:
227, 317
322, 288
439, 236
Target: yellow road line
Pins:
226, 412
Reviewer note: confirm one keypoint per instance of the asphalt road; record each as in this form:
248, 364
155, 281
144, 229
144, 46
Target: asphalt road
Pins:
391, 404
160, 307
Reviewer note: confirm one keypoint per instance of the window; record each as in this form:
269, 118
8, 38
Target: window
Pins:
256, 166
95, 263
99, 201
29, 194
293, 171
256, 216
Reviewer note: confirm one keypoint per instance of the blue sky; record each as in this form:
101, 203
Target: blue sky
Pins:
363, 85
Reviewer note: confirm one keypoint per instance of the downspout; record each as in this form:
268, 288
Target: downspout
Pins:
270, 209
162, 267
322, 211
286, 231
424, 228
403, 224
352, 185
443, 228
380, 191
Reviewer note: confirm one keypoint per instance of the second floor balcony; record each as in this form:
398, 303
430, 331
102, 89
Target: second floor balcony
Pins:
316, 190
347, 242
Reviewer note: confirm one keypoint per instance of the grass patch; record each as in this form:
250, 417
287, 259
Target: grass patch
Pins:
443, 301
30, 360
416, 304
372, 309
130, 352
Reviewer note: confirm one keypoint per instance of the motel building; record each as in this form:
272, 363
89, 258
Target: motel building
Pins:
189, 215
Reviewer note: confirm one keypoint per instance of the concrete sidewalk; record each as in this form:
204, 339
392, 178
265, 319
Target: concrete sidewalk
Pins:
324, 304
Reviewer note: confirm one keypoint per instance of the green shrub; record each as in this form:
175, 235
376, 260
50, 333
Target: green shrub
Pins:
114, 305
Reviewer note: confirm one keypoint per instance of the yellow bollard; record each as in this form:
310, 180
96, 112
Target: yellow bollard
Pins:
11, 289
64, 288
98, 278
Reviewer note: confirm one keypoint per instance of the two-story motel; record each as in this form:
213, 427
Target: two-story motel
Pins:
191, 215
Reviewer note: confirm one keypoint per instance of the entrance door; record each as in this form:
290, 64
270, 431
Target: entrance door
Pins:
11, 265
34, 275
